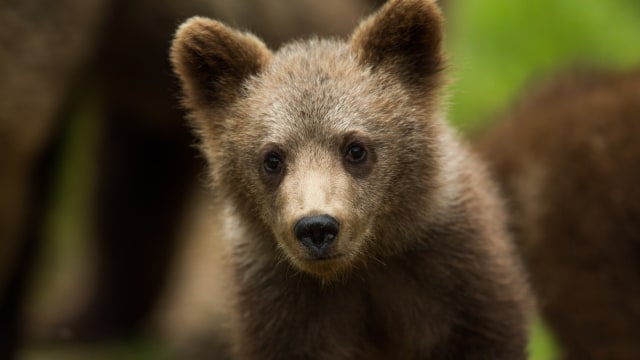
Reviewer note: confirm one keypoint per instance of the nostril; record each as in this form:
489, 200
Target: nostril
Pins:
316, 232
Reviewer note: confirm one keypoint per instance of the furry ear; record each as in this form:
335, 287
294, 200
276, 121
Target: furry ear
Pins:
212, 61
405, 37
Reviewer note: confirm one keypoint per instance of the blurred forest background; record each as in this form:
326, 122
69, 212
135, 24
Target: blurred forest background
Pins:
496, 49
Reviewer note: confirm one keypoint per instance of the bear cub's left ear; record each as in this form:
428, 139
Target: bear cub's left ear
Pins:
212, 61
403, 38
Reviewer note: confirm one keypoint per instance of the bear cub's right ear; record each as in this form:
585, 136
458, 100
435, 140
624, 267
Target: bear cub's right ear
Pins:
212, 61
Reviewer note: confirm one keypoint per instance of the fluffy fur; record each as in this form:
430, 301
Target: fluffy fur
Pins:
421, 266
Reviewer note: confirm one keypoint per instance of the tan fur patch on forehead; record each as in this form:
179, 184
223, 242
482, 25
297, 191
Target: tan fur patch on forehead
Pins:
327, 93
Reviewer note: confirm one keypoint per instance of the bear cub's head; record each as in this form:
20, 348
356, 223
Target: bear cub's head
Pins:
325, 145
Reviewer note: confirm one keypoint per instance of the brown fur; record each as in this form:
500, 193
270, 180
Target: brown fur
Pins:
568, 159
421, 267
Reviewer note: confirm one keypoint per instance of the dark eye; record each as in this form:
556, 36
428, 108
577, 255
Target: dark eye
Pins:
356, 153
272, 163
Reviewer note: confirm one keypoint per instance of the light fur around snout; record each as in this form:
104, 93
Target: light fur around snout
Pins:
316, 183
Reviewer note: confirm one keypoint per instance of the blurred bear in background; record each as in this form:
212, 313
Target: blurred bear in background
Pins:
568, 159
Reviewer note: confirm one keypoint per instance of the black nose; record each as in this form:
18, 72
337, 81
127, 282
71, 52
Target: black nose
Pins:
317, 233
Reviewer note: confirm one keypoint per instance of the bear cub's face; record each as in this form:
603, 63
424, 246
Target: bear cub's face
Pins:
315, 165
319, 141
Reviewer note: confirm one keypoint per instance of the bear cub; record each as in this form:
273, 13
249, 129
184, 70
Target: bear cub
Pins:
362, 227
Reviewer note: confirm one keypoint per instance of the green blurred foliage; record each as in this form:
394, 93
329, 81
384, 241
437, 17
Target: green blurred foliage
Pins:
542, 345
496, 47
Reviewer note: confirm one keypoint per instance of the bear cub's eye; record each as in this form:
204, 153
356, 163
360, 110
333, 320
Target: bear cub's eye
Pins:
356, 153
272, 163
